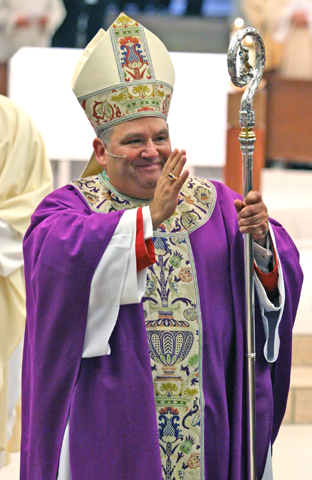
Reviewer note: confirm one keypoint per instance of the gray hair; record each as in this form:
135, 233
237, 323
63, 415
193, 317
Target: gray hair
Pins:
106, 135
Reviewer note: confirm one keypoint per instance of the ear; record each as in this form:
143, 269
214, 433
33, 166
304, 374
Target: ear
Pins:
99, 151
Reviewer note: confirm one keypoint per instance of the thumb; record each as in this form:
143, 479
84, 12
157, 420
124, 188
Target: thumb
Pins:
238, 204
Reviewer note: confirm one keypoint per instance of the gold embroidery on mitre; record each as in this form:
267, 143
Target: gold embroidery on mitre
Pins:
139, 92
131, 50
111, 106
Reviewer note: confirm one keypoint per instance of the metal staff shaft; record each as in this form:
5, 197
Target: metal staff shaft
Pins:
238, 57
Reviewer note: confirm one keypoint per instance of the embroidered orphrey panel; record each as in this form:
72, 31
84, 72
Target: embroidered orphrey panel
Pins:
173, 322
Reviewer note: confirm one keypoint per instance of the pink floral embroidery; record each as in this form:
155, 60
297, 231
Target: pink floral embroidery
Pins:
194, 461
186, 275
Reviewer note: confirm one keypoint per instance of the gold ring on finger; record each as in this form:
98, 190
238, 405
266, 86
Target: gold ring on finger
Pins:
172, 177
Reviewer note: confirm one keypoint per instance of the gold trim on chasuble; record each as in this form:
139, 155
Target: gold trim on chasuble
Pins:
173, 322
139, 92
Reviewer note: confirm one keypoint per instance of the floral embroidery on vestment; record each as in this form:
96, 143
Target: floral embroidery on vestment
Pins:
173, 322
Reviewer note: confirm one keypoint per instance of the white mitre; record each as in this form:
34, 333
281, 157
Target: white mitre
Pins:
122, 74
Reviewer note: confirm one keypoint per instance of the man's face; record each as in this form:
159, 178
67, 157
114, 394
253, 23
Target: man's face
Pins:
146, 145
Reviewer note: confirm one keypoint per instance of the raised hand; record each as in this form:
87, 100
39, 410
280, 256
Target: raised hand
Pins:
168, 187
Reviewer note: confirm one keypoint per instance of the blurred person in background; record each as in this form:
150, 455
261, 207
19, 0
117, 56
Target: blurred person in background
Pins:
194, 7
162, 4
66, 35
29, 24
25, 178
286, 28
84, 19
95, 11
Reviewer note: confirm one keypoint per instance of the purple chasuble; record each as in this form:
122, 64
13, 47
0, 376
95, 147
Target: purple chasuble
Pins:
113, 427
218, 255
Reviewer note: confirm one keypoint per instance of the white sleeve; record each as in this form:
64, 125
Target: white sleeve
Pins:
115, 282
11, 249
268, 469
271, 312
134, 285
264, 255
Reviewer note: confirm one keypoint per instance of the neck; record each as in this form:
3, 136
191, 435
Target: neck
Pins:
146, 199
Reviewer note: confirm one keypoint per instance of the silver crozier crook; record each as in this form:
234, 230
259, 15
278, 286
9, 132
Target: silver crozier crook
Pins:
242, 74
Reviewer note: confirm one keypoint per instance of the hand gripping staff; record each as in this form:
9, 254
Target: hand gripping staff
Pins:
242, 74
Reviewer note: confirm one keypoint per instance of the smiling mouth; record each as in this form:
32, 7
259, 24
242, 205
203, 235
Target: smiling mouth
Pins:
151, 165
